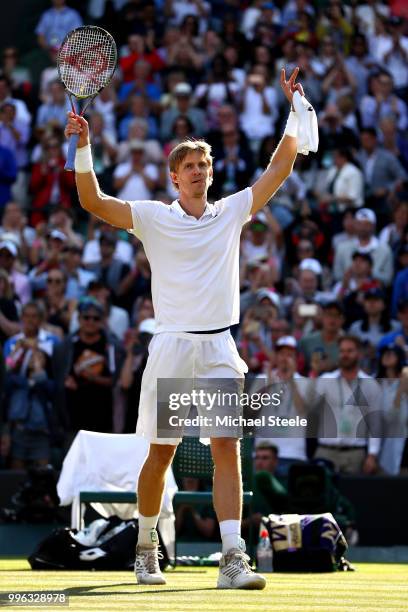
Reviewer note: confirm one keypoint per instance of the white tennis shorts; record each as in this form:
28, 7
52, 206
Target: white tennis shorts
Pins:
184, 356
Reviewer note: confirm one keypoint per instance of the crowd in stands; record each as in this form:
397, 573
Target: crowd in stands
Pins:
324, 267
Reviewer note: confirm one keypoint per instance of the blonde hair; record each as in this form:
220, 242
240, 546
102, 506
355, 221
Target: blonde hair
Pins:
180, 152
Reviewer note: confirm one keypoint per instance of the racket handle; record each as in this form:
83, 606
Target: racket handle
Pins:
72, 147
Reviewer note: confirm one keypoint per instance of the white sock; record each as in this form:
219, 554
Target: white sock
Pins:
147, 531
230, 535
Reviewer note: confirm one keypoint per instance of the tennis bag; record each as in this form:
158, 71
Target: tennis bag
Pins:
106, 544
306, 543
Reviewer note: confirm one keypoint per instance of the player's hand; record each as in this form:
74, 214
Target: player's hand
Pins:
289, 86
77, 125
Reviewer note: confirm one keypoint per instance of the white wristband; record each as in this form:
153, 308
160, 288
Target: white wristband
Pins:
83, 160
292, 125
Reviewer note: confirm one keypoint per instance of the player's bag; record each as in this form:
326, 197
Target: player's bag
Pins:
306, 543
106, 544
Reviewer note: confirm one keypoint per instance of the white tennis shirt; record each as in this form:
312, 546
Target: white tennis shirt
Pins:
194, 262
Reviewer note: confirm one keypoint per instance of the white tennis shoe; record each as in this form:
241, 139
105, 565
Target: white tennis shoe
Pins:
147, 567
235, 572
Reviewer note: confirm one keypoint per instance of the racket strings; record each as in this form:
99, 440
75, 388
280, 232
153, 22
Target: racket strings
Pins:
87, 60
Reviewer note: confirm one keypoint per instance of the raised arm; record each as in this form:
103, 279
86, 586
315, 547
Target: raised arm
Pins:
112, 210
282, 160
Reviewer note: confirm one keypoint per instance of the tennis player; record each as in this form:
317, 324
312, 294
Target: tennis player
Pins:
193, 250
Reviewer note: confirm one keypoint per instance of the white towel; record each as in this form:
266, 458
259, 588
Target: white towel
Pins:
308, 133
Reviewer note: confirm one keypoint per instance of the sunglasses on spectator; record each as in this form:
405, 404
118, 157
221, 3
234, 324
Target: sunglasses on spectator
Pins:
86, 317
54, 279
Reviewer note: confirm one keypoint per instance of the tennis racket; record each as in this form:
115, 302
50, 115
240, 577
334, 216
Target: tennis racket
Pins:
86, 63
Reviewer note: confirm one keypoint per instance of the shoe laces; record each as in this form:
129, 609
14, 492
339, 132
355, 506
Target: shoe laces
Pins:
239, 559
148, 559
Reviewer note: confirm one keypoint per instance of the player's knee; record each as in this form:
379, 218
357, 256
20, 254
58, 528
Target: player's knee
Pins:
161, 455
224, 450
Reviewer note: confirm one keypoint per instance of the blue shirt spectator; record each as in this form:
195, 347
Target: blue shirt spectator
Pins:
8, 174
55, 23
400, 290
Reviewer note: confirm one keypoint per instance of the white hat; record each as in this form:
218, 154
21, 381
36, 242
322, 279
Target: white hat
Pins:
58, 235
182, 89
271, 295
9, 246
366, 214
147, 326
260, 217
286, 341
311, 264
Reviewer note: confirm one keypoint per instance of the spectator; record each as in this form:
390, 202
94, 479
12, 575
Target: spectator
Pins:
309, 281
52, 260
117, 319
136, 344
111, 271
78, 278
137, 50
104, 149
393, 233
292, 445
92, 251
177, 10
394, 388
269, 493
218, 89
139, 108
181, 129
18, 75
259, 106
59, 307
14, 133
55, 23
233, 168
49, 184
393, 142
400, 290
9, 318
141, 84
321, 348
348, 232
345, 395
383, 103
400, 336
262, 239
334, 135
138, 130
344, 186
22, 114
382, 171
8, 262
392, 51
14, 227
376, 321
32, 321
183, 107
134, 177
29, 396
8, 174
62, 219
366, 241
85, 365
54, 111
358, 63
